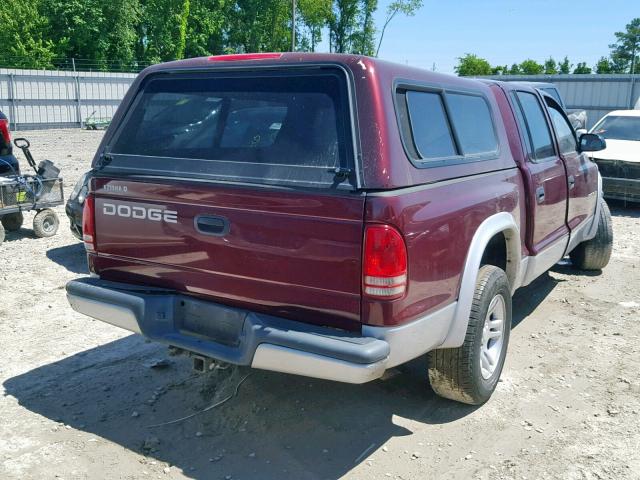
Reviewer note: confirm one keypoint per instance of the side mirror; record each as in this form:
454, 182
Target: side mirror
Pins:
580, 132
592, 142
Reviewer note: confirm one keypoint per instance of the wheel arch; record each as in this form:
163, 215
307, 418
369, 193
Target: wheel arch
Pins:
488, 233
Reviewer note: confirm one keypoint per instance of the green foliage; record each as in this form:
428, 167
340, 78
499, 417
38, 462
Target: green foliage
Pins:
205, 27
500, 70
315, 15
515, 69
550, 66
128, 34
604, 65
343, 23
76, 28
582, 69
22, 36
625, 53
565, 66
531, 67
123, 16
164, 30
472, 65
364, 37
259, 26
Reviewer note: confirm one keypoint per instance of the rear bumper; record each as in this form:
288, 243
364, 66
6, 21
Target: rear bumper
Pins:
232, 335
621, 188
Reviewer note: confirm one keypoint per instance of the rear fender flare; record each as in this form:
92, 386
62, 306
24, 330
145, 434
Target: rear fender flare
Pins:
504, 223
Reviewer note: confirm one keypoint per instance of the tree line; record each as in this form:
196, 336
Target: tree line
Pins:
624, 57
130, 34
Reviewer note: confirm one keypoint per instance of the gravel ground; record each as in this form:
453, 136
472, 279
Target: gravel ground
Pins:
79, 396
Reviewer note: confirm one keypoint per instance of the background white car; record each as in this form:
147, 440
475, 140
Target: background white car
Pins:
619, 163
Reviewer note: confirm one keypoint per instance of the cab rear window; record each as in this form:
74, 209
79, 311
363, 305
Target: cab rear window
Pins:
445, 127
284, 128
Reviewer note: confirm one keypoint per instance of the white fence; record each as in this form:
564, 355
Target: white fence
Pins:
34, 99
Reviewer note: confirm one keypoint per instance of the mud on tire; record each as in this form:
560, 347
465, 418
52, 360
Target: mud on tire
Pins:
457, 373
595, 254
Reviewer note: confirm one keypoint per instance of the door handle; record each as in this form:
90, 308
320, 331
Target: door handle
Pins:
211, 225
572, 182
540, 194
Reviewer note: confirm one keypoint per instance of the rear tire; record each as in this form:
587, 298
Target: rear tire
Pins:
12, 221
1, 233
45, 223
595, 254
470, 373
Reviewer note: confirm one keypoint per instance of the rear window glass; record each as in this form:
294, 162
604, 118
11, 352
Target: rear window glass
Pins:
429, 125
472, 120
270, 128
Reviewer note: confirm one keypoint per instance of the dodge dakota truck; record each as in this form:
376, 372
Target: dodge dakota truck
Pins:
334, 216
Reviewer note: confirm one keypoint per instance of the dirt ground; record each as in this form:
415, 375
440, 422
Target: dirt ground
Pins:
79, 397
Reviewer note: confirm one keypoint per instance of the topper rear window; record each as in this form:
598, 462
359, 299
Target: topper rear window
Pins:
286, 127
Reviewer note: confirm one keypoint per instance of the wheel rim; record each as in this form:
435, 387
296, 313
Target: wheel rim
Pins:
48, 224
492, 337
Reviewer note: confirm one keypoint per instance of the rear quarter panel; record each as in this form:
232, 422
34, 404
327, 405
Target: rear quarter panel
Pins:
438, 222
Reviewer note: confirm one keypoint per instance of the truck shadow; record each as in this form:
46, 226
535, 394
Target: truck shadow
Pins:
72, 257
19, 234
527, 299
277, 426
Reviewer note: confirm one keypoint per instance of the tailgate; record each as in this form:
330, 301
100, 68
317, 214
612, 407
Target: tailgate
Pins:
239, 186
288, 254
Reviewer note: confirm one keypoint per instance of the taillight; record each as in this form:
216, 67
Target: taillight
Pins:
4, 131
89, 224
384, 268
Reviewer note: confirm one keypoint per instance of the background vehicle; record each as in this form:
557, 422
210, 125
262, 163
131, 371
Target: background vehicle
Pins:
75, 204
619, 163
39, 192
334, 215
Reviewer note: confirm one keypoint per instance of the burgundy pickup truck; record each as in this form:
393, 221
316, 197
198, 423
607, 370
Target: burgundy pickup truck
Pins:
334, 216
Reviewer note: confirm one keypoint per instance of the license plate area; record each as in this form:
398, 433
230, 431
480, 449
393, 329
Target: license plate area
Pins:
209, 320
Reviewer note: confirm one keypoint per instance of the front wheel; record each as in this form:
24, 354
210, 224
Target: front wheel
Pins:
595, 254
470, 373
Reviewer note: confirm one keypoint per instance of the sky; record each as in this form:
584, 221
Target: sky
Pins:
504, 32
